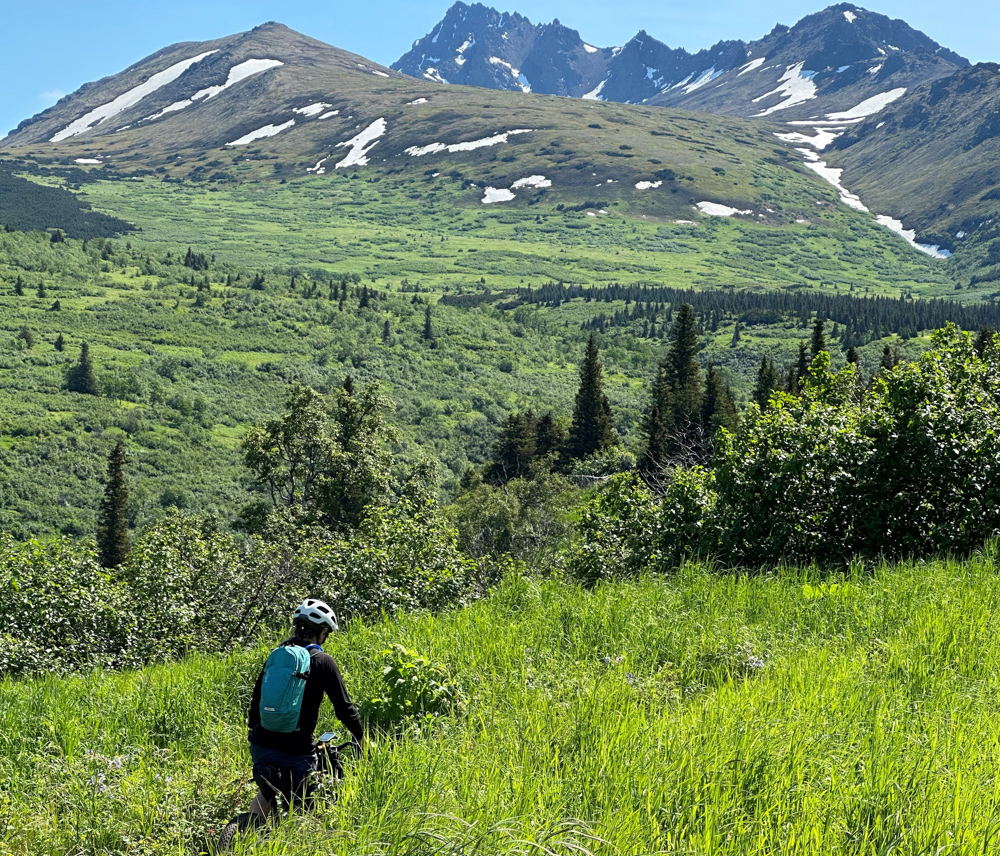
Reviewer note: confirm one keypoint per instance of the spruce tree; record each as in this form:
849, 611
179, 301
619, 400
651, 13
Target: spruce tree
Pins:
386, 331
60, 342
718, 409
549, 436
818, 337
767, 382
591, 429
683, 368
112, 514
428, 332
655, 429
81, 377
514, 450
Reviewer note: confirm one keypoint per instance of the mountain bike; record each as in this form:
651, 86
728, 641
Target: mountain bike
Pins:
329, 763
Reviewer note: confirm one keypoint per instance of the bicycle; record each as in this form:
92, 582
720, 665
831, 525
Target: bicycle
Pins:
328, 763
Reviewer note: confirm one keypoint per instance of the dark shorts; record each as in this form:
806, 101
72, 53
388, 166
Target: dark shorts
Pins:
278, 773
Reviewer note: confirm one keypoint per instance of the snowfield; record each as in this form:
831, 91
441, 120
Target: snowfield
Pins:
869, 106
496, 139
237, 74
88, 161
362, 144
910, 235
753, 65
652, 185
795, 85
127, 99
714, 209
497, 194
261, 133
595, 93
312, 109
531, 181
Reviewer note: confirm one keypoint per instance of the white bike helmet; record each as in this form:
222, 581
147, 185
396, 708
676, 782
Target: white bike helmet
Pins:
316, 613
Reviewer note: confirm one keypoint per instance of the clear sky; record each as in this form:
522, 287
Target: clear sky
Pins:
48, 48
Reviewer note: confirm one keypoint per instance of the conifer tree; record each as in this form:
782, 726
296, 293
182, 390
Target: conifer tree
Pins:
655, 429
386, 331
40, 291
81, 377
591, 429
683, 368
428, 332
112, 514
514, 450
818, 337
19, 286
718, 409
549, 436
767, 382
60, 342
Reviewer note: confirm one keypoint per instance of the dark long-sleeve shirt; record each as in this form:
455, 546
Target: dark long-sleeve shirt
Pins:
324, 678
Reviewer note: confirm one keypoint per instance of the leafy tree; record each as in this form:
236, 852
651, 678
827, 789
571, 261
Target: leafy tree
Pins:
591, 429
80, 377
321, 465
112, 514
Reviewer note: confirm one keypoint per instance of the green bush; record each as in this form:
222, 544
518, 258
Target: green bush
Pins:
910, 468
414, 687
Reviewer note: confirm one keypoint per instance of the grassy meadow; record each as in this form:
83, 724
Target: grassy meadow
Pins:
697, 714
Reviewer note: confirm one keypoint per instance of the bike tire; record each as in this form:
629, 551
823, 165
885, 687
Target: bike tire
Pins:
240, 824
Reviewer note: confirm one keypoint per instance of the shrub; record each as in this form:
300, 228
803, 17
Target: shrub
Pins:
414, 687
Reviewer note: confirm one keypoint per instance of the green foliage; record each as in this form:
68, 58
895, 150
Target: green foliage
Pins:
318, 465
414, 687
60, 611
592, 429
29, 206
399, 558
527, 518
907, 469
112, 515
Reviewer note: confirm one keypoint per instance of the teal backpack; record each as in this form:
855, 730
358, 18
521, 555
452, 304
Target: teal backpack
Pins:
285, 674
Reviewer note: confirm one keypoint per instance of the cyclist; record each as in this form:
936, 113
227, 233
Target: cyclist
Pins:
283, 762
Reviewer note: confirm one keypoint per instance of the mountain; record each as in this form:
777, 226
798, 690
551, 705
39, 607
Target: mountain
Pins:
830, 61
208, 94
930, 157
478, 46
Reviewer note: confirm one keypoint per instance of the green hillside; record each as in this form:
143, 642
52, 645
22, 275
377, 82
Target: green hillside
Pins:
699, 713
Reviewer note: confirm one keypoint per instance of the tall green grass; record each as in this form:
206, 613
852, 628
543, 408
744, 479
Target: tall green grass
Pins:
697, 714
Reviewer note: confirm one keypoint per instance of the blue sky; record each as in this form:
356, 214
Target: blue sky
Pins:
50, 49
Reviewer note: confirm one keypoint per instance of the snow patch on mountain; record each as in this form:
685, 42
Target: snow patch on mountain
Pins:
471, 145
703, 78
714, 209
127, 99
521, 80
88, 161
434, 74
910, 236
753, 65
460, 53
319, 169
312, 109
795, 85
361, 144
497, 194
236, 74
648, 185
870, 106
851, 17
590, 48
531, 181
267, 131
417, 101
823, 138
595, 93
